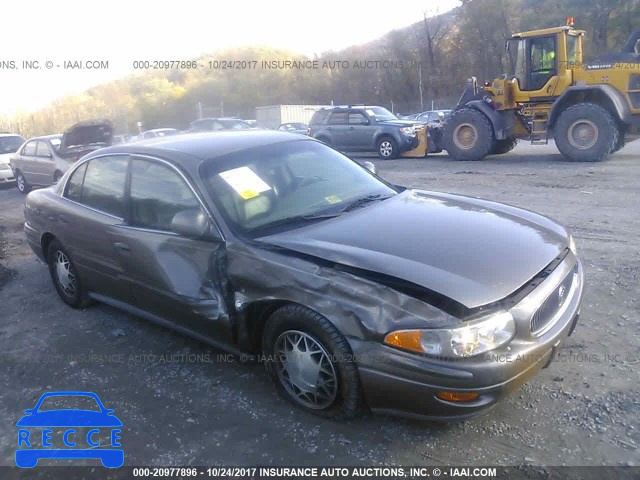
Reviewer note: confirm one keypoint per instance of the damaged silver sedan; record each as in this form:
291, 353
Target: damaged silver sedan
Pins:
352, 291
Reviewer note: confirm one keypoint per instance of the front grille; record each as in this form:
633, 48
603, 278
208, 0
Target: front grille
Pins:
547, 311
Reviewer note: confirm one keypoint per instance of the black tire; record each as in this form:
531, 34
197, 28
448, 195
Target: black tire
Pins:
504, 146
21, 183
577, 145
75, 297
343, 398
621, 141
387, 148
468, 135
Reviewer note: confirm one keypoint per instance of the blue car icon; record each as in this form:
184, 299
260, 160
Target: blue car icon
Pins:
29, 452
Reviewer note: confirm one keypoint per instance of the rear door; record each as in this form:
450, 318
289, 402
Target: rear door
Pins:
90, 221
338, 128
176, 278
25, 161
44, 164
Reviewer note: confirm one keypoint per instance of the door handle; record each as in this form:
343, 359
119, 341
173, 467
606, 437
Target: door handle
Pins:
122, 248
352, 128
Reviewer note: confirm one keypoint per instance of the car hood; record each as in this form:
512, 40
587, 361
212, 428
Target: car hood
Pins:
98, 133
69, 418
398, 123
472, 251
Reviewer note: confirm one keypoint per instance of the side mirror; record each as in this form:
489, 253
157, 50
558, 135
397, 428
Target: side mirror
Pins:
192, 223
371, 167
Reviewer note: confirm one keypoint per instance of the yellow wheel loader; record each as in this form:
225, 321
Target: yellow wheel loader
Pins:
589, 109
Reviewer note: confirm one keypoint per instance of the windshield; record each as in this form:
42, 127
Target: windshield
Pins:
10, 144
381, 114
264, 185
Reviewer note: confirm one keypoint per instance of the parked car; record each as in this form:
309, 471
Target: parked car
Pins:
159, 132
353, 291
295, 127
433, 117
364, 128
42, 161
215, 124
9, 144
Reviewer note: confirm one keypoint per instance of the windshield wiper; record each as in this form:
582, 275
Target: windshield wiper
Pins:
294, 219
359, 202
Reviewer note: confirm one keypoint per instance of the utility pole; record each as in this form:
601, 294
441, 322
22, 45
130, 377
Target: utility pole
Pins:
420, 87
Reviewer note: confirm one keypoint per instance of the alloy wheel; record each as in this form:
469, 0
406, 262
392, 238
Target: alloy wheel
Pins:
64, 274
305, 370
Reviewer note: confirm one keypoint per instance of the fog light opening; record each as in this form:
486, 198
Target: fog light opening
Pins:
458, 396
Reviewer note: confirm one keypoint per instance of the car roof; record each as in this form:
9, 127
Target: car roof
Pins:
199, 146
46, 137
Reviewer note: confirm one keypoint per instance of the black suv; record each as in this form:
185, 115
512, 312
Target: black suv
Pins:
364, 128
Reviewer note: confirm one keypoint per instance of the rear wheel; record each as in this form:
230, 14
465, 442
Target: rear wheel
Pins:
65, 277
468, 135
586, 132
22, 183
310, 363
504, 146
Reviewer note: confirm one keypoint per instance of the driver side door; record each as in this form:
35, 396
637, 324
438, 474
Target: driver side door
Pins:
177, 279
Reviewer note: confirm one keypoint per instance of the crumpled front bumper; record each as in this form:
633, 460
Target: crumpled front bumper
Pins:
405, 383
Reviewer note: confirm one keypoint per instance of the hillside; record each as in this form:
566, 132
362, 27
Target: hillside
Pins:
442, 51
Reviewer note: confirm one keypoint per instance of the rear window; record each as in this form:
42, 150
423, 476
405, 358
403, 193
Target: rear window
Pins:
10, 144
319, 117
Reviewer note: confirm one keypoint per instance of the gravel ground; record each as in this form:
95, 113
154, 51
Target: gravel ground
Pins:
183, 403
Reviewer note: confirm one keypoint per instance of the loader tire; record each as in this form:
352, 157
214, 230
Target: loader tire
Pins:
504, 146
468, 135
586, 132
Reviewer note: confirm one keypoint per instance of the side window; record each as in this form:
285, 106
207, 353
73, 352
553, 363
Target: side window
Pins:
357, 119
73, 190
30, 148
103, 187
43, 150
157, 194
338, 118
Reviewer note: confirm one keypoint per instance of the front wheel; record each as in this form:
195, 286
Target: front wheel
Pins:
586, 132
311, 364
22, 183
387, 148
468, 135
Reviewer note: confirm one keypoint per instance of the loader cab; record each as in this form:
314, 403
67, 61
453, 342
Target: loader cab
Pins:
540, 62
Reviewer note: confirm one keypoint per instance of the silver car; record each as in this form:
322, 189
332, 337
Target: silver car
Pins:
42, 161
9, 144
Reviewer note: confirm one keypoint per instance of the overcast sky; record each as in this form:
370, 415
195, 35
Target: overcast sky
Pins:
123, 31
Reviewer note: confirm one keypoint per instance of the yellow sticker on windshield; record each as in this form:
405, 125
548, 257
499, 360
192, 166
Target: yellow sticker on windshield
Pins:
245, 182
247, 194
332, 199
